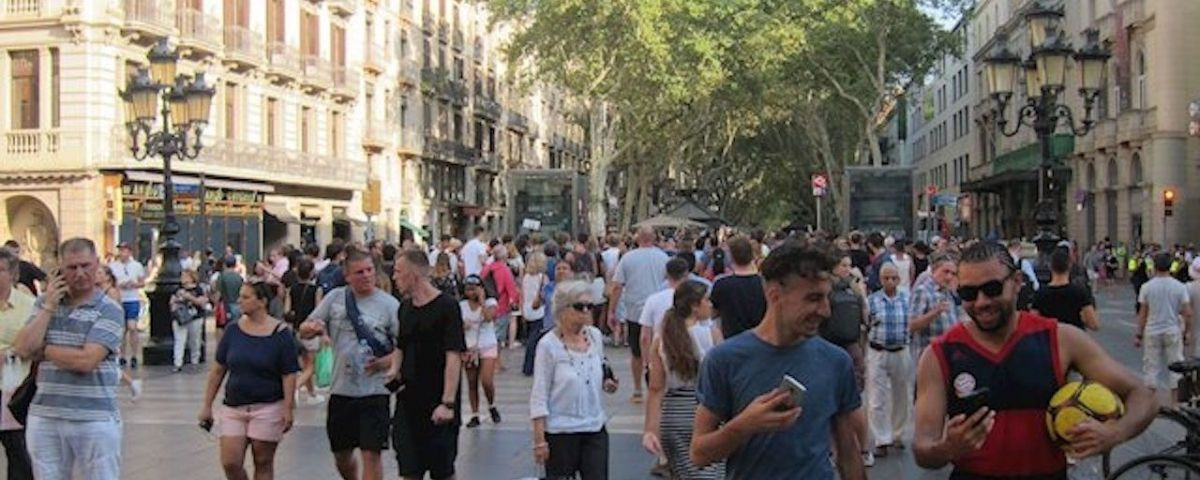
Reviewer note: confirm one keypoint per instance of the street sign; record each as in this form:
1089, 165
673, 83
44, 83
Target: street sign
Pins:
945, 200
931, 190
819, 184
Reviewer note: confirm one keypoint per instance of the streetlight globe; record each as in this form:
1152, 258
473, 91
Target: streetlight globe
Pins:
163, 62
178, 100
1091, 60
143, 93
1051, 60
1040, 19
199, 99
1000, 69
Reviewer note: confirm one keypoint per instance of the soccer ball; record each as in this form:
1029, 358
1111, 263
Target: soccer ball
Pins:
1078, 401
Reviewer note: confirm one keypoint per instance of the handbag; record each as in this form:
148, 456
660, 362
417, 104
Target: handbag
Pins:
22, 397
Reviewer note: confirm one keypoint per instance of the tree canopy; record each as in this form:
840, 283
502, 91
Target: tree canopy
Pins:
741, 99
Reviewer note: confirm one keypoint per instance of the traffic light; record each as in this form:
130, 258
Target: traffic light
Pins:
1168, 202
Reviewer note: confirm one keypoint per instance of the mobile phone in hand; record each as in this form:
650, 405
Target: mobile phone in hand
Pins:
796, 391
970, 403
206, 425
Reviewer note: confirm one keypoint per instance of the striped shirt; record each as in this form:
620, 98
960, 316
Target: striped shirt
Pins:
888, 318
924, 299
92, 396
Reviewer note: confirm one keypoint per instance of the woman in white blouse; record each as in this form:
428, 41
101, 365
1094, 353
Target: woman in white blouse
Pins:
566, 404
483, 349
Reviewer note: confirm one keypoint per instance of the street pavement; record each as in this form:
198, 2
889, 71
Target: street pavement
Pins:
162, 441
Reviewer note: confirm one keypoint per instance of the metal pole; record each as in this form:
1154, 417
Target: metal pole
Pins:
204, 212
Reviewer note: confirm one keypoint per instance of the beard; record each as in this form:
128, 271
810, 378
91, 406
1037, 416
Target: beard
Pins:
1004, 311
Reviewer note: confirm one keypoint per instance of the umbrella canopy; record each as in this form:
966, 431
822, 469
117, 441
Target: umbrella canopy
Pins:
667, 221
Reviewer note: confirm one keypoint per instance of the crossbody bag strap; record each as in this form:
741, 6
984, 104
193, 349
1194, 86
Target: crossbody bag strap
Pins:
360, 329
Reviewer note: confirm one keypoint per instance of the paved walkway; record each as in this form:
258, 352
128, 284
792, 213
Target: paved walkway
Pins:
162, 440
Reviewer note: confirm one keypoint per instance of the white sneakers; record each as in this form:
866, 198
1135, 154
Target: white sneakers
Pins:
135, 389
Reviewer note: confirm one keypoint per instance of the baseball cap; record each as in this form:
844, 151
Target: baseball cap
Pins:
473, 280
123, 245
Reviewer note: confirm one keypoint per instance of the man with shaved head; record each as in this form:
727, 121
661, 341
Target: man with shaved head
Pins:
889, 363
639, 274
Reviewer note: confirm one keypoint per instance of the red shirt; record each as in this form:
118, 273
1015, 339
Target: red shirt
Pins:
506, 286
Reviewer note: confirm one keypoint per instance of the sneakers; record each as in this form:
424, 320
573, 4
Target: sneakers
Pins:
868, 459
133, 363
316, 399
135, 389
176, 369
495, 414
474, 422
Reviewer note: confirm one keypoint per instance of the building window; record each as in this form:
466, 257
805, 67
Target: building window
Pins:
1143, 102
336, 146
276, 19
54, 88
271, 125
230, 116
337, 47
309, 34
24, 91
306, 123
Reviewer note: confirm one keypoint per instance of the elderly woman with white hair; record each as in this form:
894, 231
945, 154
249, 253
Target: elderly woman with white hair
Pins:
566, 404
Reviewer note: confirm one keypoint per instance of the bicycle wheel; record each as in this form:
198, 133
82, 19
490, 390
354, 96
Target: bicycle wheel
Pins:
1158, 467
1165, 435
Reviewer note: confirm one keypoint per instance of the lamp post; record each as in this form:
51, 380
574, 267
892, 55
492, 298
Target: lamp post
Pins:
1044, 74
185, 105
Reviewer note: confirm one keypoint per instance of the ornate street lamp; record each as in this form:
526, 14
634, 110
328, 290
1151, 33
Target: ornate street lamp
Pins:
1045, 78
185, 104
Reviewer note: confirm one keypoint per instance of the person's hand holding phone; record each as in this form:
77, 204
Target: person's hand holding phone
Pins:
56, 289
205, 419
769, 412
966, 433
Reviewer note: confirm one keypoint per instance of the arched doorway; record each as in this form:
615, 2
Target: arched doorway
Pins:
32, 224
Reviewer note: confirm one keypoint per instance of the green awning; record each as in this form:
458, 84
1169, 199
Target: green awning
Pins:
1029, 156
417, 231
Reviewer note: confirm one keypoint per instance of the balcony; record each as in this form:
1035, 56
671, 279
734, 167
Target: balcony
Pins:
410, 143
377, 136
36, 150
433, 79
488, 108
443, 31
374, 61
517, 121
489, 160
457, 90
281, 165
410, 72
342, 8
30, 9
345, 82
283, 61
318, 73
243, 46
199, 33
149, 20
457, 40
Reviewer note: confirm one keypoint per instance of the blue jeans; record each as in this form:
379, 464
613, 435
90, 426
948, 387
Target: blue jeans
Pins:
534, 333
59, 447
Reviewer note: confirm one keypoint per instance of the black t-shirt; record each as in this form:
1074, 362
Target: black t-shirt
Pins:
304, 301
740, 302
426, 333
29, 272
860, 259
1063, 302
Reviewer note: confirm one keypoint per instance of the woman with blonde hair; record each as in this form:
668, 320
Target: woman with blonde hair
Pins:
444, 277
675, 354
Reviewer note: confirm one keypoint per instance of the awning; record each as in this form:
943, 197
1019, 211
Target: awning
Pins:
342, 216
280, 212
417, 231
314, 214
157, 177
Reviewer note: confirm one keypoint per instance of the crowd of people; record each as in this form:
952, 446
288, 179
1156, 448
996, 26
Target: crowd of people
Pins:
753, 356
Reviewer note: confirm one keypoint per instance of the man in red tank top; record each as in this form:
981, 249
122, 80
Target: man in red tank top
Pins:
1022, 359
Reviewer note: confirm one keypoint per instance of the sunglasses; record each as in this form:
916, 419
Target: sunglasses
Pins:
992, 289
582, 307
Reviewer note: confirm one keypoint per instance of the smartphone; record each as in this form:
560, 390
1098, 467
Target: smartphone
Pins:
970, 403
206, 425
395, 385
796, 389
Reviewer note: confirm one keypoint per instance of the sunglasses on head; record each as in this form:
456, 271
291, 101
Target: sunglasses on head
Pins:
992, 289
582, 307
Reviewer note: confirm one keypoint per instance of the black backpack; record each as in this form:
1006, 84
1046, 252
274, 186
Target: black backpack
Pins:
844, 325
1026, 293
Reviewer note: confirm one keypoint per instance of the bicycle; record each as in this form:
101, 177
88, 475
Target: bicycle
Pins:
1179, 459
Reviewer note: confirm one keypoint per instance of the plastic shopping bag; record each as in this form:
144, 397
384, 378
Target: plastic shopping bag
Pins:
324, 366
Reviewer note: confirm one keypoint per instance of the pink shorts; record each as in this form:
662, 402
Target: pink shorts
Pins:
490, 352
259, 421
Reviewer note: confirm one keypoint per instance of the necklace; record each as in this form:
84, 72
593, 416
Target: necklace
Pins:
579, 361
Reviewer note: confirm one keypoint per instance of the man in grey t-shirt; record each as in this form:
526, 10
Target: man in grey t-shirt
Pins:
74, 422
640, 273
1163, 326
359, 402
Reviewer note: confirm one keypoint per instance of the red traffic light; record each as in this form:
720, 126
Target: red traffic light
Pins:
1168, 195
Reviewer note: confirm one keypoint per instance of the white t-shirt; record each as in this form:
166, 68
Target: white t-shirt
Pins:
904, 268
655, 309
1164, 297
478, 333
610, 256
473, 255
433, 256
530, 286
130, 271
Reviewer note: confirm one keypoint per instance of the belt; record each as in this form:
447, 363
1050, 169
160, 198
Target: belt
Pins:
887, 348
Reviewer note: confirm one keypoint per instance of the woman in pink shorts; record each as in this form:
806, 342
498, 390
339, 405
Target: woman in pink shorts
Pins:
256, 359
479, 330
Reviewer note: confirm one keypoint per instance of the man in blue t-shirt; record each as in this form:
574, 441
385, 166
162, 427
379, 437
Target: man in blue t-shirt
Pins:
743, 415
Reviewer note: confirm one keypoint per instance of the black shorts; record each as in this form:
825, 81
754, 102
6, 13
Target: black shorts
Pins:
357, 422
422, 446
633, 336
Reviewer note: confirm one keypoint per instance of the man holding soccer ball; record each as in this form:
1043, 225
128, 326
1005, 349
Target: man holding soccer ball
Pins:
994, 377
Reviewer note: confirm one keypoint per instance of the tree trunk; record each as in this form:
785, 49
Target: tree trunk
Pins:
632, 181
601, 157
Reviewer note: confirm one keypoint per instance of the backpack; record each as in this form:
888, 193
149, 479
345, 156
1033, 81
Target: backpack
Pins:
1026, 293
844, 325
330, 277
873, 283
489, 284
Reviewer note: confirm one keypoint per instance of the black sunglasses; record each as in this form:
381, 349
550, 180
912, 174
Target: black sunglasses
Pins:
992, 289
582, 307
